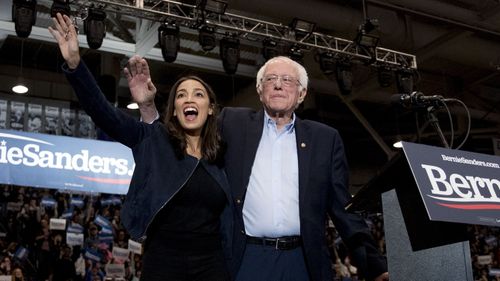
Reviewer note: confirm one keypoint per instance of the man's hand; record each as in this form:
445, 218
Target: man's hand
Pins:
141, 87
65, 34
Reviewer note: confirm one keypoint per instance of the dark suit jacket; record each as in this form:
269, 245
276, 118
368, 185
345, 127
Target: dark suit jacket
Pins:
159, 174
323, 176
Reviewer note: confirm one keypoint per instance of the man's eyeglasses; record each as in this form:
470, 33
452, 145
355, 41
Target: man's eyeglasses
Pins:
286, 80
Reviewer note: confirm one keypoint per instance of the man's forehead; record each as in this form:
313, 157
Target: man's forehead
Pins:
281, 65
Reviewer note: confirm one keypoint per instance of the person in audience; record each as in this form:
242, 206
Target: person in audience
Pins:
121, 239
17, 274
64, 267
483, 241
92, 240
6, 265
94, 273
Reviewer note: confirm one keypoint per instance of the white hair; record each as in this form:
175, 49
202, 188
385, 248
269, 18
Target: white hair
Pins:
303, 79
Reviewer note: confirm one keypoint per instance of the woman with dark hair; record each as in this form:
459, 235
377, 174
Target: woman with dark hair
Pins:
178, 200
180, 133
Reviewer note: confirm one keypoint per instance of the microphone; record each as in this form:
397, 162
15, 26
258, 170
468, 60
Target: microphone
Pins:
416, 99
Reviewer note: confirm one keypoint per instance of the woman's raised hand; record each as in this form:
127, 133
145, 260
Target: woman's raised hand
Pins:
66, 36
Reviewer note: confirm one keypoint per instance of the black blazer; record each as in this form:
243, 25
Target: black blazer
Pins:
159, 173
323, 177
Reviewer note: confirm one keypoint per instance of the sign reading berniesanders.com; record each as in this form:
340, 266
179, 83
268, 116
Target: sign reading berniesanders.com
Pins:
48, 161
456, 186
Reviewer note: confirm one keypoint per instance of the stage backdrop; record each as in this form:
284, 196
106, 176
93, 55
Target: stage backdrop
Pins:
67, 163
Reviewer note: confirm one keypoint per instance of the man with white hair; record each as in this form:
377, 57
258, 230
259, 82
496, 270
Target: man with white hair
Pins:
287, 176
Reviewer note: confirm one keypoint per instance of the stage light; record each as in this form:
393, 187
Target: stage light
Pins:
327, 62
398, 144
344, 77
168, 37
404, 81
302, 28
296, 54
368, 34
206, 38
270, 48
60, 6
133, 106
20, 87
23, 16
95, 28
215, 6
230, 54
385, 76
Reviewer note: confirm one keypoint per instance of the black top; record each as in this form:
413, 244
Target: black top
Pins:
191, 220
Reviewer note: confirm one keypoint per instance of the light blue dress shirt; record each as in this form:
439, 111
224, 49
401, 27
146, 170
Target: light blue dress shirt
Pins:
271, 207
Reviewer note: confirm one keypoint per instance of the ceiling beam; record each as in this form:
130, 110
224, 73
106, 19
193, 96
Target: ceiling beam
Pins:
146, 36
129, 49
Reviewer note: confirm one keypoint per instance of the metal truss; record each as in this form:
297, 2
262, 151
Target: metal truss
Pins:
252, 29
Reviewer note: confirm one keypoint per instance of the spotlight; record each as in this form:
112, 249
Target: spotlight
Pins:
23, 16
133, 105
206, 38
327, 63
368, 34
404, 81
296, 54
95, 28
302, 28
230, 54
385, 76
270, 48
60, 6
20, 87
168, 37
398, 144
344, 77
215, 6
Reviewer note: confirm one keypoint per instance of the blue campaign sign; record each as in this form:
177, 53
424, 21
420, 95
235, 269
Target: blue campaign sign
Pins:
456, 186
39, 160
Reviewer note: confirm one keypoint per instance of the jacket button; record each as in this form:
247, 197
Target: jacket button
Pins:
238, 201
242, 231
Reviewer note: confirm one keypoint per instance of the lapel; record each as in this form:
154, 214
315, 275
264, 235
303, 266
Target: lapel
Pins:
253, 133
304, 147
219, 177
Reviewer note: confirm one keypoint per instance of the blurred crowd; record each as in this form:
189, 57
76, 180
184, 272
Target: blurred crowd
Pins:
47, 234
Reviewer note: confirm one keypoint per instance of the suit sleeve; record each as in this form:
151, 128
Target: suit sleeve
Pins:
112, 121
351, 227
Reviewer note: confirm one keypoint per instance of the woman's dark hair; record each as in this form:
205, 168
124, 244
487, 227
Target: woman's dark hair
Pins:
210, 138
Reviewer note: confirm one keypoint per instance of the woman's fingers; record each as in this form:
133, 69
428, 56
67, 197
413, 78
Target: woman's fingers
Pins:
63, 27
57, 25
62, 22
55, 34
